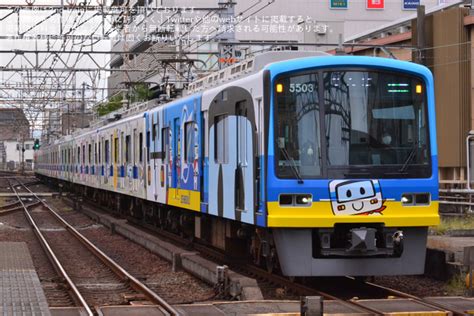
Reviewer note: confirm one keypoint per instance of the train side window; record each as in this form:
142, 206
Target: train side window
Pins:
189, 142
107, 151
127, 149
116, 149
220, 135
165, 143
140, 150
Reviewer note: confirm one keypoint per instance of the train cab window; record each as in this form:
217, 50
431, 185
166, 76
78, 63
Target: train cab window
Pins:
127, 149
140, 149
116, 149
298, 147
107, 151
221, 146
376, 118
189, 142
165, 143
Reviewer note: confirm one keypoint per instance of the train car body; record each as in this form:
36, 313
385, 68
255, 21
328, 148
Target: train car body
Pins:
326, 165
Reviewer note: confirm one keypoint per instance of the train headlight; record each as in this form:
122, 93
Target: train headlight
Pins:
296, 199
415, 199
407, 199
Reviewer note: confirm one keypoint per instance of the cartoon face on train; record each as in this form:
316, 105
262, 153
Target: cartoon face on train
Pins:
356, 197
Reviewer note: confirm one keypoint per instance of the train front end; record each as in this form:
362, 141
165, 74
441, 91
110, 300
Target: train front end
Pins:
352, 181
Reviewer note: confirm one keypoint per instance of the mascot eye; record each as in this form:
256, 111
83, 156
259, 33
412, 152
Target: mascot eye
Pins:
362, 191
348, 193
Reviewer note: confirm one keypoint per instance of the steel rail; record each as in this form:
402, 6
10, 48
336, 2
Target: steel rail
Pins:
52, 256
415, 298
111, 264
303, 288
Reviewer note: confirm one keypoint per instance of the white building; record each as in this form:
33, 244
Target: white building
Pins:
15, 155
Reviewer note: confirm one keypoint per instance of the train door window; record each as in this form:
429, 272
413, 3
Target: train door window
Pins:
95, 153
78, 154
116, 149
135, 143
165, 143
107, 151
148, 146
90, 154
155, 132
189, 142
241, 132
99, 158
83, 154
220, 144
122, 147
127, 149
140, 150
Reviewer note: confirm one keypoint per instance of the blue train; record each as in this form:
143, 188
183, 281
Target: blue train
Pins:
319, 165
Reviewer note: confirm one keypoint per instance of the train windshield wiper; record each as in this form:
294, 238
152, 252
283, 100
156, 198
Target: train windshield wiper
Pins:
292, 165
409, 158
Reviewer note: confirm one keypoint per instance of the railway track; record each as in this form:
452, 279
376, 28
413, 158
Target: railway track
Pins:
105, 282
294, 286
297, 287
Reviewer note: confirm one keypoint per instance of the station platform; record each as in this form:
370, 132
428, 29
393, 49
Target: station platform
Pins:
20, 288
445, 255
453, 246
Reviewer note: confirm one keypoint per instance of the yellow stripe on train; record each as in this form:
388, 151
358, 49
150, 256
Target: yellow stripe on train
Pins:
185, 198
320, 214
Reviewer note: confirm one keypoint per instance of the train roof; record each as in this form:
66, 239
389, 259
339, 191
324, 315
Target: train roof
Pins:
247, 67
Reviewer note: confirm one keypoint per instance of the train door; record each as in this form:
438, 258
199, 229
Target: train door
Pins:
176, 179
106, 170
149, 164
232, 155
155, 156
165, 164
204, 185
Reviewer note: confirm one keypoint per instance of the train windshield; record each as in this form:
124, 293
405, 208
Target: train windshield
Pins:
373, 123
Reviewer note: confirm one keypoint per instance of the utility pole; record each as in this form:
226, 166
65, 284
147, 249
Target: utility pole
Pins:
420, 34
227, 55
